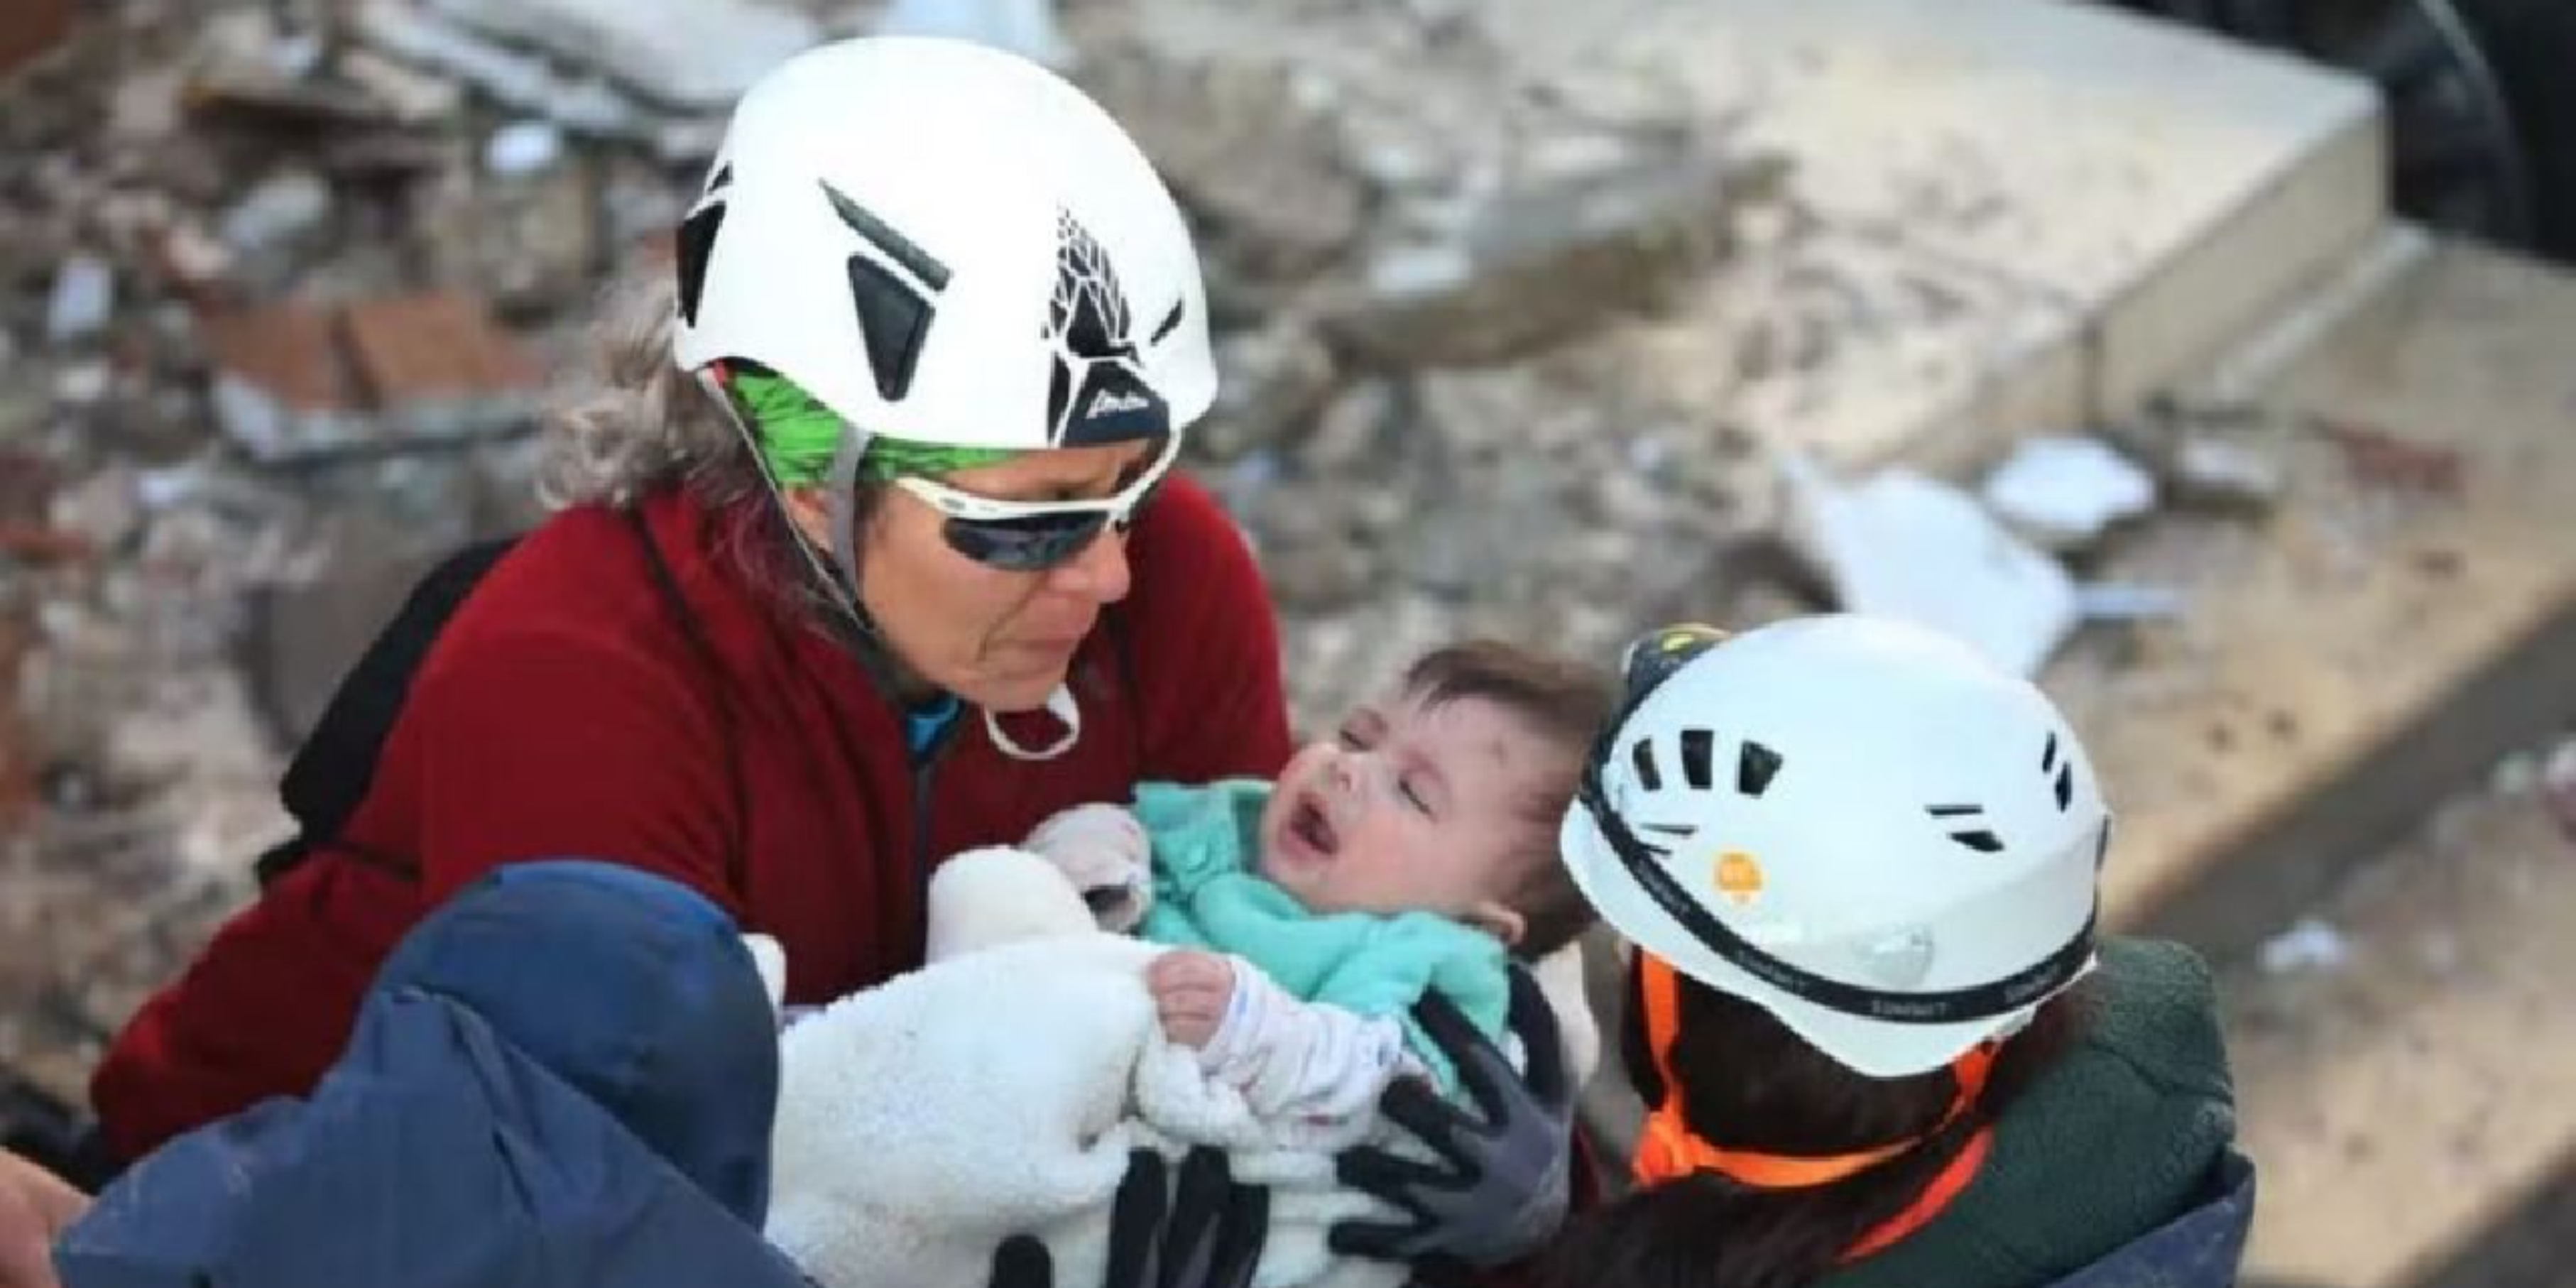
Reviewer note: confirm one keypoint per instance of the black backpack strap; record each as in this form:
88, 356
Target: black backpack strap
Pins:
333, 769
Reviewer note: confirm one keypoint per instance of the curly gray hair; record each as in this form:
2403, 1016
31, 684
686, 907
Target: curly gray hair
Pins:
639, 424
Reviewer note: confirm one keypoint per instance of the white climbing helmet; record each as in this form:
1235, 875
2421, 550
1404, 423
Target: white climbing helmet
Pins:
946, 243
1856, 824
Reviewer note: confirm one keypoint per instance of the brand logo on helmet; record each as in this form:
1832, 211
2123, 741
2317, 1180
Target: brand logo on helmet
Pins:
1738, 877
1110, 402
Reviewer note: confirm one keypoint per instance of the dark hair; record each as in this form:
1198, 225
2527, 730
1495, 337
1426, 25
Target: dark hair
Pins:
1564, 702
1747, 1082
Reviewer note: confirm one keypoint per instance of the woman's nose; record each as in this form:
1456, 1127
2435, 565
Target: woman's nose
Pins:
1100, 573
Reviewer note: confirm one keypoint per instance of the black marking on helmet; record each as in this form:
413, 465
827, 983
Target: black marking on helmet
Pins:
1979, 839
893, 322
1088, 310
2048, 755
1171, 322
1059, 390
2065, 786
1643, 757
693, 246
894, 312
1097, 391
1754, 768
716, 181
880, 234
1698, 746
1682, 830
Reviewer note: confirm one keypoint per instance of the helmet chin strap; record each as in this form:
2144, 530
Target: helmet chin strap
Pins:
1059, 704
840, 514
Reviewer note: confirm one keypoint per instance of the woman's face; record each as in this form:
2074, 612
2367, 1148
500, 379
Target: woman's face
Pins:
1000, 640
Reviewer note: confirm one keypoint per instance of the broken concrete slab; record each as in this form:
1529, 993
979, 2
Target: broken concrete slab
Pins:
2174, 222
1865, 354
522, 81
281, 387
1261, 174
2362, 649
1899, 544
529, 244
294, 381
2224, 474
2064, 491
2402, 1105
1540, 267
437, 365
698, 55
2091, 260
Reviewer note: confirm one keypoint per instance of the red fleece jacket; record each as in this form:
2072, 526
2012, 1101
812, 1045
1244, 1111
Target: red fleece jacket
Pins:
565, 713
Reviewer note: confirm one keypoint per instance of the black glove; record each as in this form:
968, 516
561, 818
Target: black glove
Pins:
1499, 1188
1199, 1231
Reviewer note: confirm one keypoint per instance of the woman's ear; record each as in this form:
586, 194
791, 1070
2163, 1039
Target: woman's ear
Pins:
807, 510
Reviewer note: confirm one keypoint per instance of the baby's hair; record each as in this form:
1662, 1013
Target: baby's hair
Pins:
1567, 704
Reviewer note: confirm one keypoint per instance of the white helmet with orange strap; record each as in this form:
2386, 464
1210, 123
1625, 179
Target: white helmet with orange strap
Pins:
1855, 824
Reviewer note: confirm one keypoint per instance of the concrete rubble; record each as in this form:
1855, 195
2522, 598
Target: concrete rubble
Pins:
282, 330
1506, 352
2064, 492
1900, 544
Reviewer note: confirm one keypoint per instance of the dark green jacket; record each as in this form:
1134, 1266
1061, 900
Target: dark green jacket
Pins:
2116, 1167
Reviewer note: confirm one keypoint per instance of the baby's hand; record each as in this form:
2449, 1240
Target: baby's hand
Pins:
1191, 990
1102, 850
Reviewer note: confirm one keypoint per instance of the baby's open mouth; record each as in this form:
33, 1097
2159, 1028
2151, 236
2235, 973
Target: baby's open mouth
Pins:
1309, 825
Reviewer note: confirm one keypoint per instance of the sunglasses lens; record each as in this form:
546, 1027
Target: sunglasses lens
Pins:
1031, 544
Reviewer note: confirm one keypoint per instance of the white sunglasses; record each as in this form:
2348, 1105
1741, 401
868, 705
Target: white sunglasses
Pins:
1030, 536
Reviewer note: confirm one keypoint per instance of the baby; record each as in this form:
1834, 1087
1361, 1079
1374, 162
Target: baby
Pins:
1415, 850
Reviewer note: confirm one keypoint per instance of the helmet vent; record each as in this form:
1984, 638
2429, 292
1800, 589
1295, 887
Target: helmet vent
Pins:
1982, 840
1754, 768
695, 243
1643, 757
876, 232
894, 314
1677, 831
892, 323
1698, 749
1171, 322
2048, 755
2065, 787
